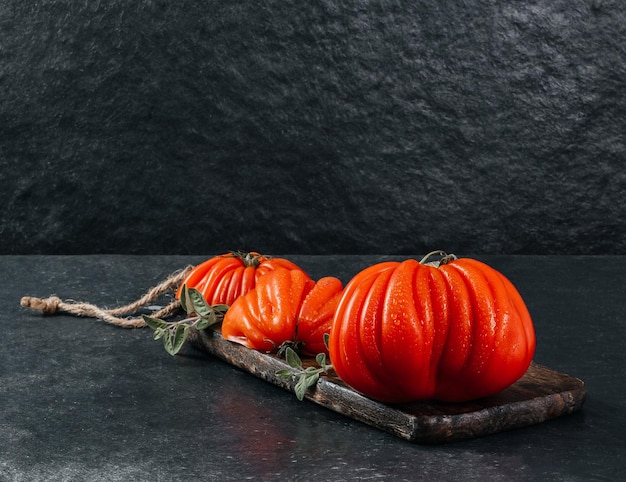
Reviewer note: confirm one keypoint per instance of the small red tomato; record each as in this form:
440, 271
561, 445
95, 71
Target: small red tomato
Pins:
316, 315
285, 306
224, 278
452, 332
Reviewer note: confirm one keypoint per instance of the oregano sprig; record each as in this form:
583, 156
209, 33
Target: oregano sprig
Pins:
306, 377
202, 315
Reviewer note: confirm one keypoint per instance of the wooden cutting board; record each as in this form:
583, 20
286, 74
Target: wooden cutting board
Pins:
541, 394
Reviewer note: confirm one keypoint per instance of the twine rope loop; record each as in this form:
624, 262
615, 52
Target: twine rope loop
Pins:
119, 316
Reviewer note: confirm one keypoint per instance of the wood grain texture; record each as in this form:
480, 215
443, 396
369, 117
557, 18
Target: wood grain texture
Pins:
541, 394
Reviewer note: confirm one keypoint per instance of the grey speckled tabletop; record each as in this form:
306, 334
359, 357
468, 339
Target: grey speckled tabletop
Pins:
83, 400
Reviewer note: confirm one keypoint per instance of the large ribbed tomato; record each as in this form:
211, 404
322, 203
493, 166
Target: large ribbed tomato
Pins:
224, 278
285, 306
454, 331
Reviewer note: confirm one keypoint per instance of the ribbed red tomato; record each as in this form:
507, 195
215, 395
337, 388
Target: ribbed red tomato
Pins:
452, 332
285, 306
224, 278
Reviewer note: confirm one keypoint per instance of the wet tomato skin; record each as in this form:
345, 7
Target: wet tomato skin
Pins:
285, 306
224, 278
406, 331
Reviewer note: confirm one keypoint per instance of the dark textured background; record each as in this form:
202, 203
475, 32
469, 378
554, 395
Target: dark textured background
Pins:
312, 127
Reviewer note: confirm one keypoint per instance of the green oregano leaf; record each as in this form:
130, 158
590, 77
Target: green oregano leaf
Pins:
300, 388
312, 379
220, 309
180, 336
305, 377
159, 333
305, 381
185, 302
201, 316
284, 373
321, 359
168, 343
154, 323
198, 303
292, 358
212, 318
203, 324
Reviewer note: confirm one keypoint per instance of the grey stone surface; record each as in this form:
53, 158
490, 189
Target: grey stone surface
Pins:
315, 127
81, 400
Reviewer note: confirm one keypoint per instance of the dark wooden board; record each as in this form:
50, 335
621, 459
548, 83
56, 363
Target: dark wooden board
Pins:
541, 394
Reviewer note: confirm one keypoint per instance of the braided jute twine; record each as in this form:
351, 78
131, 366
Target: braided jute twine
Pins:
117, 316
